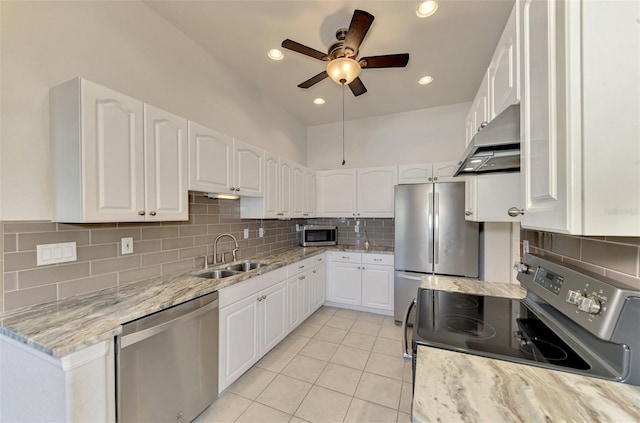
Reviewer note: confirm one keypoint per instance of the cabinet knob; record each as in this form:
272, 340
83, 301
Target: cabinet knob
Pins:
152, 213
435, 178
429, 179
141, 213
264, 297
314, 271
237, 189
468, 213
514, 211
482, 125
232, 188
259, 298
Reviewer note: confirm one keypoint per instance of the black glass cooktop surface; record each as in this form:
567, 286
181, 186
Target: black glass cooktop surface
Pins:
490, 326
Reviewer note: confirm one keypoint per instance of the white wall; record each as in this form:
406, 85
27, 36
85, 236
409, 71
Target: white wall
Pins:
127, 47
420, 136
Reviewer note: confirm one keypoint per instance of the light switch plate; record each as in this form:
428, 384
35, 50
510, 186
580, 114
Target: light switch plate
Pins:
56, 253
246, 233
261, 232
525, 246
126, 245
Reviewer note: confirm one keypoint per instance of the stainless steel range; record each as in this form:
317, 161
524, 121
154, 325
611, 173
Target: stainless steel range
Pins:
570, 320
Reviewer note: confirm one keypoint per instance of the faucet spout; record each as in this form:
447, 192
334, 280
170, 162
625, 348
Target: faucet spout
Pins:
215, 247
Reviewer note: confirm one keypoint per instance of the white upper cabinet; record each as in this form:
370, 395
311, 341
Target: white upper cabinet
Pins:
285, 175
248, 169
100, 171
490, 196
427, 172
504, 70
480, 106
271, 184
367, 192
469, 127
210, 160
337, 193
298, 188
166, 173
310, 194
375, 190
579, 117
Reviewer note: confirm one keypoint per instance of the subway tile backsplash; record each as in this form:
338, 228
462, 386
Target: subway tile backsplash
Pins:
615, 257
159, 249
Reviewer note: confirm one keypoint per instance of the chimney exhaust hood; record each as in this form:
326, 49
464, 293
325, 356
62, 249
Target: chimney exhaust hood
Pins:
496, 148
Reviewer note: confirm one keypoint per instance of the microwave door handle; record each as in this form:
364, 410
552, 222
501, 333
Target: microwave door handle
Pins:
405, 323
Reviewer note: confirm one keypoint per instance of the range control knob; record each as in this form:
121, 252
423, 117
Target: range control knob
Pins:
590, 305
521, 267
574, 297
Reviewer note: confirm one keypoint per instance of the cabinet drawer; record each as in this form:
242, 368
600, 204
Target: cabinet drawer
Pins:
384, 259
301, 266
346, 257
251, 286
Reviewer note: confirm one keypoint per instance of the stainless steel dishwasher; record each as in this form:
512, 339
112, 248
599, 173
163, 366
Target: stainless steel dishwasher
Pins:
167, 363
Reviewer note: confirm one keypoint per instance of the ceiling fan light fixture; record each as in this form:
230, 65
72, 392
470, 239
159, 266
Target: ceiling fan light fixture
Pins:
343, 70
425, 80
427, 8
318, 101
275, 54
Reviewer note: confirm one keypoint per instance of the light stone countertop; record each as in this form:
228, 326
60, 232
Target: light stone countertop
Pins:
473, 286
62, 327
457, 387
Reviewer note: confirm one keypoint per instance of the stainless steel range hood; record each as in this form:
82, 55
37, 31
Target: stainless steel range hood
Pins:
496, 148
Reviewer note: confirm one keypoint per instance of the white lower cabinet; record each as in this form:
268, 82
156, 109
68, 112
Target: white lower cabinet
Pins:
361, 281
306, 286
253, 316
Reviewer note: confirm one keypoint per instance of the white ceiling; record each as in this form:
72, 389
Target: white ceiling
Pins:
454, 46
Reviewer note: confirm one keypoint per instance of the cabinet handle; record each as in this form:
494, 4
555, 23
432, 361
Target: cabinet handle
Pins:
346, 258
264, 297
279, 214
301, 267
468, 213
141, 213
259, 298
514, 211
305, 214
377, 259
152, 213
320, 259
482, 125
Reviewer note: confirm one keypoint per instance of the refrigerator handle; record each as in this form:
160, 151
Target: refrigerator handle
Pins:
405, 323
436, 229
430, 241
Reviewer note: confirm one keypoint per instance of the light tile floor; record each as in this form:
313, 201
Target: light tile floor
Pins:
337, 366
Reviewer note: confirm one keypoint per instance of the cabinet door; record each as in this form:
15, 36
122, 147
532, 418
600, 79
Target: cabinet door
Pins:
504, 69
310, 194
298, 194
113, 161
444, 171
376, 191
271, 186
377, 286
337, 193
415, 173
248, 169
345, 286
239, 339
285, 188
166, 160
469, 127
543, 151
306, 287
210, 160
274, 316
294, 295
480, 105
319, 280
496, 194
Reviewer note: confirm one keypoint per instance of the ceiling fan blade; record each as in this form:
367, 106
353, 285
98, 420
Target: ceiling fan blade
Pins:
360, 24
307, 51
314, 80
357, 87
388, 61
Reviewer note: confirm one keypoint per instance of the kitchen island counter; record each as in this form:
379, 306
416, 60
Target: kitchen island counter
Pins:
457, 387
473, 286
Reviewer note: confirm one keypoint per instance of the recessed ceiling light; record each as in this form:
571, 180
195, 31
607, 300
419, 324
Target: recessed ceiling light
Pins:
275, 54
427, 8
318, 100
425, 80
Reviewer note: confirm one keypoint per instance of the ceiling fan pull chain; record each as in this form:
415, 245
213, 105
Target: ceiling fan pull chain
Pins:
343, 161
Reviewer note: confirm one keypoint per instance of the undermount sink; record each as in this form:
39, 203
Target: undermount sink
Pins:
218, 274
245, 266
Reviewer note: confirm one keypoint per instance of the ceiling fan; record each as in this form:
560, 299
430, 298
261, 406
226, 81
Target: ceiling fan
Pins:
342, 66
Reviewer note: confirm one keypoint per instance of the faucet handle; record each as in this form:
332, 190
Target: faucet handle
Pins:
206, 261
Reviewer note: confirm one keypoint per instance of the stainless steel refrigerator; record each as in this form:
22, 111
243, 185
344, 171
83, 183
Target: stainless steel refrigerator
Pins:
431, 237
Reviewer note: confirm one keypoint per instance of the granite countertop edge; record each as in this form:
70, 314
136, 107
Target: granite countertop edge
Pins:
65, 326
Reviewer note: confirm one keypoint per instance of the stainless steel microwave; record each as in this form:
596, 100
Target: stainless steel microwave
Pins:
318, 235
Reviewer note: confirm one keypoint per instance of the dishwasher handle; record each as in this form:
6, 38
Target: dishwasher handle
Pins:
141, 335
405, 323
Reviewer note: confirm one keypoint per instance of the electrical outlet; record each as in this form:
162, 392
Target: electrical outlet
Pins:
261, 232
126, 245
297, 227
525, 246
356, 228
246, 233
56, 253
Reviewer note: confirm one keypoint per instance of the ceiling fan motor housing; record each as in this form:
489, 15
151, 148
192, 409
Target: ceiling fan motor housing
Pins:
337, 49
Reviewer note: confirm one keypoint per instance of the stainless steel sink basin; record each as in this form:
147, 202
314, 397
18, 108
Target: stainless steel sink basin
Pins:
218, 274
245, 266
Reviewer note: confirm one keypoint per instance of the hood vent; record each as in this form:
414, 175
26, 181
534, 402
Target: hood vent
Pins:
496, 148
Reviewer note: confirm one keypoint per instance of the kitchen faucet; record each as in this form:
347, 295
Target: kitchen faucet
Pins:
215, 248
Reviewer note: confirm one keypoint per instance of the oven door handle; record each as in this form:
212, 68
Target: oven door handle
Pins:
405, 323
